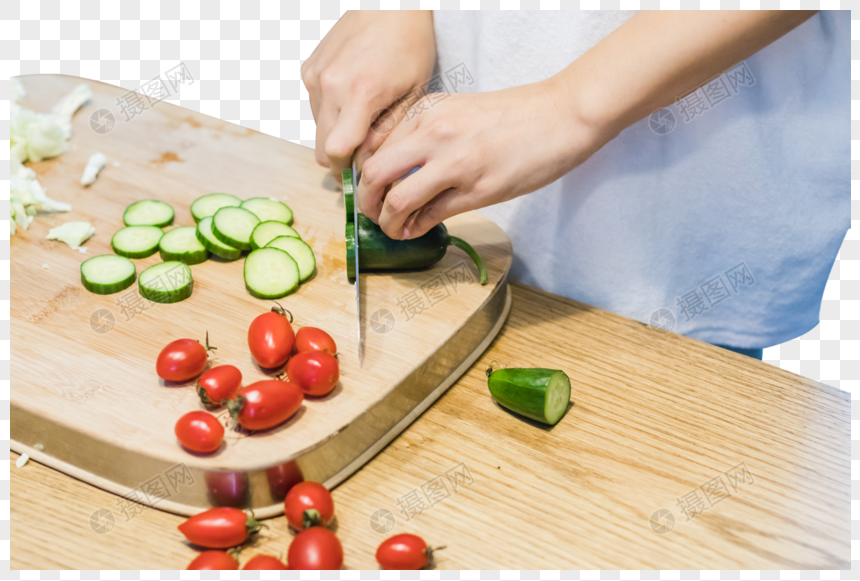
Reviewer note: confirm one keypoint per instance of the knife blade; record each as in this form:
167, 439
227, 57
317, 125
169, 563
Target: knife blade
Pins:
350, 184
355, 179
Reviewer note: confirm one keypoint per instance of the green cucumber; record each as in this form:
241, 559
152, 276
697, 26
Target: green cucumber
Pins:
166, 282
136, 241
233, 227
301, 252
268, 209
538, 394
210, 203
270, 273
107, 274
265, 232
182, 244
212, 244
148, 213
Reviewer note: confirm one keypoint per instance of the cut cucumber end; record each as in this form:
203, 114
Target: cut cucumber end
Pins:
107, 274
270, 273
212, 244
148, 213
234, 226
166, 282
265, 232
136, 241
301, 252
210, 203
557, 397
182, 244
268, 210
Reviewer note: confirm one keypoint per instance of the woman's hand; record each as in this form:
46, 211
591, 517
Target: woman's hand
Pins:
474, 150
363, 65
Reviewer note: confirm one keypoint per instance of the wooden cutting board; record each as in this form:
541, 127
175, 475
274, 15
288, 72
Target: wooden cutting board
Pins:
85, 396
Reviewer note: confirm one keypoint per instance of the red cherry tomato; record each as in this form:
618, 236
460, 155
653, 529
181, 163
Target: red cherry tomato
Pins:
405, 552
315, 549
199, 431
182, 360
266, 403
271, 338
219, 528
313, 339
308, 496
264, 563
315, 372
213, 561
219, 383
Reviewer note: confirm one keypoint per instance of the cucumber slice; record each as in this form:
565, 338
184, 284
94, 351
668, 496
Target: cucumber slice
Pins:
270, 273
265, 232
148, 213
107, 274
166, 282
182, 244
538, 394
267, 209
210, 203
300, 251
233, 227
212, 244
136, 241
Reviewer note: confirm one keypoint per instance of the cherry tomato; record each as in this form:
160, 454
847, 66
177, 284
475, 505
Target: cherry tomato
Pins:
199, 431
219, 383
265, 403
315, 548
405, 552
219, 528
283, 477
313, 339
271, 338
315, 372
264, 563
303, 499
213, 561
182, 359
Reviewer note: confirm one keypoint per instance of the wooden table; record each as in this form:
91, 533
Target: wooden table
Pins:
658, 419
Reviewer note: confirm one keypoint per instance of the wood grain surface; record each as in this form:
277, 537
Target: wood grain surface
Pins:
656, 417
103, 385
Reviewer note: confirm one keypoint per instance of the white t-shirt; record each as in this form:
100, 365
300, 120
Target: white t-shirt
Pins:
718, 217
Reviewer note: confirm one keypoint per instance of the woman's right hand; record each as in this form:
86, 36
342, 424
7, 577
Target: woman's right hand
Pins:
365, 63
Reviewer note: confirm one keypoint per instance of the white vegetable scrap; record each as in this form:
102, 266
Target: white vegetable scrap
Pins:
22, 459
94, 166
45, 266
72, 233
116, 164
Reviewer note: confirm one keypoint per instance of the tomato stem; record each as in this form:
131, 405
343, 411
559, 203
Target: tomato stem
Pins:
311, 518
252, 524
204, 397
282, 311
208, 346
234, 406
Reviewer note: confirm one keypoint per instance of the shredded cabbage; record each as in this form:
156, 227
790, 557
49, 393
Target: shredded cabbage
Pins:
72, 233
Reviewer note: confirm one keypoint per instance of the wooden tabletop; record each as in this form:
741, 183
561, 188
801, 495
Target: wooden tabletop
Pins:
757, 457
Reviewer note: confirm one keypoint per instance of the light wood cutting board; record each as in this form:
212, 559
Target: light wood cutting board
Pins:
85, 395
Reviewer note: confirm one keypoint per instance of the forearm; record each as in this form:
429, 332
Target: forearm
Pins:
657, 57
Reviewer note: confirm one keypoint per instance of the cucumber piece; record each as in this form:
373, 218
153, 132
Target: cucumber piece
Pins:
233, 227
210, 203
136, 241
182, 244
107, 274
270, 273
538, 394
212, 244
300, 251
166, 282
265, 232
268, 210
148, 213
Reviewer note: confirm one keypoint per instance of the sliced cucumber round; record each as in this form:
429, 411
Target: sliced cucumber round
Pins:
212, 244
233, 227
270, 273
136, 241
300, 251
107, 274
210, 203
148, 213
182, 244
265, 232
538, 394
166, 282
267, 209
